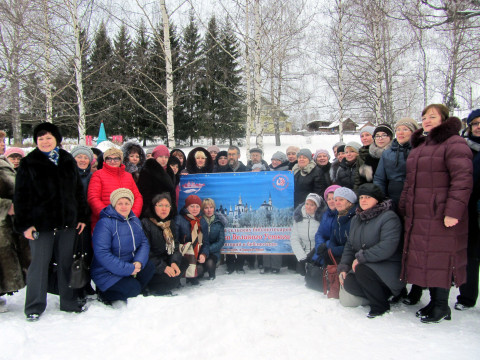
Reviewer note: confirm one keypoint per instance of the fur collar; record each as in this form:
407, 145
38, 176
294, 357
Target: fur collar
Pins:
375, 211
306, 170
376, 152
299, 214
439, 134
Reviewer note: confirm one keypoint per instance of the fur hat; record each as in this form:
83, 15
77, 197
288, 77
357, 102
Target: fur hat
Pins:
387, 129
280, 156
330, 189
213, 148
321, 151
371, 190
82, 150
408, 122
192, 199
113, 151
305, 152
346, 193
315, 198
473, 115
160, 150
48, 127
292, 148
354, 145
119, 194
14, 150
369, 129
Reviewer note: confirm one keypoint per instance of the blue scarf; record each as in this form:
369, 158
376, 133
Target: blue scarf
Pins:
53, 155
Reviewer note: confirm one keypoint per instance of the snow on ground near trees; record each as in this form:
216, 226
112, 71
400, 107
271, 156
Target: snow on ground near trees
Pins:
250, 316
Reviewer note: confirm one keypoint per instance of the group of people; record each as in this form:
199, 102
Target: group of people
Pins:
401, 207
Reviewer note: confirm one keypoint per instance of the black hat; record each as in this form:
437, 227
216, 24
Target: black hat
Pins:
387, 129
341, 148
48, 127
372, 190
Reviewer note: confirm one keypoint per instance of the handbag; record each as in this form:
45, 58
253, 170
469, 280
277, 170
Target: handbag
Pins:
80, 271
331, 282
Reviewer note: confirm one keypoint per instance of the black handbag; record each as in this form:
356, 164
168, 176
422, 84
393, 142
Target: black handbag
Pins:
80, 272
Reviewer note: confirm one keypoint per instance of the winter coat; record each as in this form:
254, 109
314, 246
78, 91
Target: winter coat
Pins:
329, 218
282, 167
292, 164
367, 163
182, 166
48, 196
473, 228
302, 238
374, 241
117, 244
104, 182
265, 166
346, 173
325, 174
333, 171
184, 233
153, 180
340, 231
392, 170
191, 164
129, 167
216, 233
158, 246
14, 258
438, 184
85, 176
306, 181
240, 168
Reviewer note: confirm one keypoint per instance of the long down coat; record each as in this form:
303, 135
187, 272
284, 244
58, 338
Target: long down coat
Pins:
438, 184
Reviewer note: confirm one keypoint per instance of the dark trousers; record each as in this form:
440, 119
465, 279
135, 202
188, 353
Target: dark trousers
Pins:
235, 262
210, 265
129, 286
272, 261
365, 282
469, 291
59, 244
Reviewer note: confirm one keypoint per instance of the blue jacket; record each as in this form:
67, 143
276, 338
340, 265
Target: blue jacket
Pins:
341, 229
117, 243
392, 170
216, 234
184, 234
324, 231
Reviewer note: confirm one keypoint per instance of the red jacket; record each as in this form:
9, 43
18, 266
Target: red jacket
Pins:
104, 182
438, 184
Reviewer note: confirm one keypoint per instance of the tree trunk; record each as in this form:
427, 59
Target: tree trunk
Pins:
47, 46
248, 76
258, 79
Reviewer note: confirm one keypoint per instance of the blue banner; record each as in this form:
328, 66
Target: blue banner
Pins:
258, 206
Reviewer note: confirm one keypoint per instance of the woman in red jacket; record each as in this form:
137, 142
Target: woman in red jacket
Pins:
110, 177
434, 202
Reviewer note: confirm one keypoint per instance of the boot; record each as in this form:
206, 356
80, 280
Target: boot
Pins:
414, 296
440, 310
426, 310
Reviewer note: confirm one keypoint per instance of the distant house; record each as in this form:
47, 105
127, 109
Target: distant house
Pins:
361, 125
267, 113
331, 127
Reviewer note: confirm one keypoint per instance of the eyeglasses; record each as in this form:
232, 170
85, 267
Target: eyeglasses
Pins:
110, 159
381, 136
163, 206
475, 124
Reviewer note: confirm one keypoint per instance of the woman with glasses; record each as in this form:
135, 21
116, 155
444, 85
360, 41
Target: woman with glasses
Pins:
368, 162
159, 228
110, 177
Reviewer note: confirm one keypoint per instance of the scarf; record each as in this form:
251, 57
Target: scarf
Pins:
304, 171
374, 211
53, 155
167, 234
191, 250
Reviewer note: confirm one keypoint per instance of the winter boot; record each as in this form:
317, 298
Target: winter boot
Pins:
440, 310
425, 310
414, 296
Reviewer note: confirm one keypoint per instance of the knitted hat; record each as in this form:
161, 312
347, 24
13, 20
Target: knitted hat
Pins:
384, 128
408, 122
305, 152
372, 190
330, 189
354, 145
315, 198
213, 148
82, 150
257, 150
48, 127
369, 129
292, 148
341, 148
280, 156
473, 115
120, 194
222, 153
14, 150
160, 150
113, 151
192, 199
346, 193
321, 151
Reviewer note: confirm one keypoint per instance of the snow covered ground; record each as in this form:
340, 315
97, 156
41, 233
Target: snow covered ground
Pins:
236, 316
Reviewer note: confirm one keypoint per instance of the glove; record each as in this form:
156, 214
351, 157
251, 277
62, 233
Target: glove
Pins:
310, 256
301, 267
322, 250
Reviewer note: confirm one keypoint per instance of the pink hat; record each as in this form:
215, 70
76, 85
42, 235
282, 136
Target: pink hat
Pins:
330, 189
160, 150
14, 150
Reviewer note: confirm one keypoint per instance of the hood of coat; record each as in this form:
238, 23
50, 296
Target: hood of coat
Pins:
376, 152
110, 212
184, 158
128, 147
299, 214
439, 134
192, 166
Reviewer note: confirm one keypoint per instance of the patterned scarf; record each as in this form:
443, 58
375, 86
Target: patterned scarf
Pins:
53, 155
191, 250
167, 234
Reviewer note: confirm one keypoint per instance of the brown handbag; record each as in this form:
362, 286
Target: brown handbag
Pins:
331, 282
